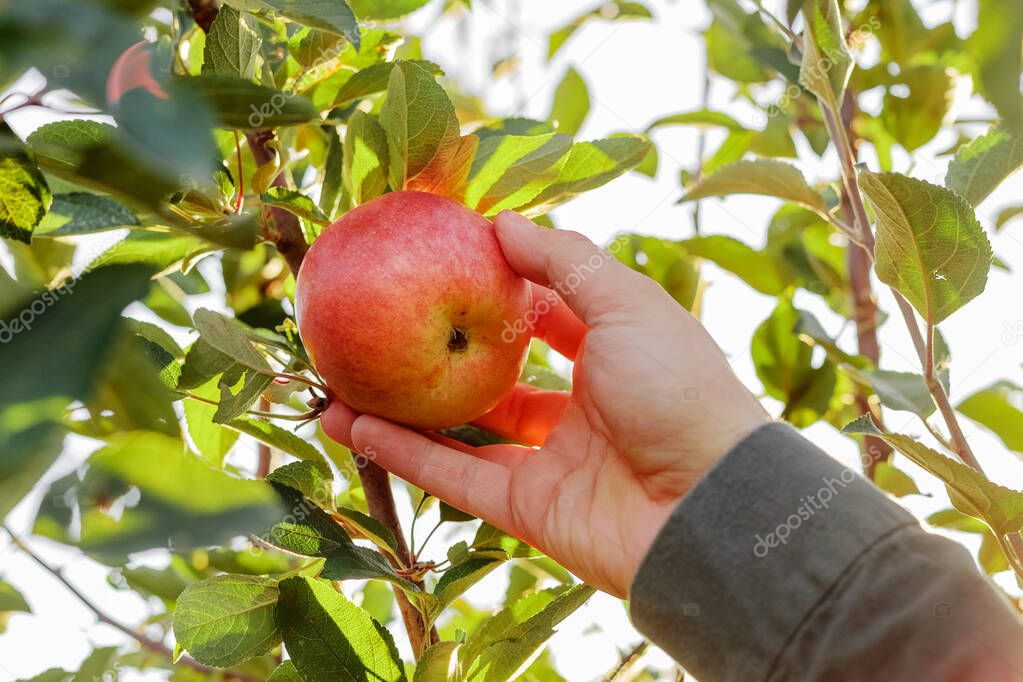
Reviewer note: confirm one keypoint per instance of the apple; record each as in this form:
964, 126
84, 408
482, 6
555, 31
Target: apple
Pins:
133, 70
405, 306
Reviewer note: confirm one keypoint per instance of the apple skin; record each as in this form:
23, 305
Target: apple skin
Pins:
130, 71
405, 306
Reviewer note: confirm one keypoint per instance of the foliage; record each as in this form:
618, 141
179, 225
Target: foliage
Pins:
234, 143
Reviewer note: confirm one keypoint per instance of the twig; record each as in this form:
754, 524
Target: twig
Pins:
279, 226
204, 12
628, 660
874, 449
376, 484
265, 453
144, 642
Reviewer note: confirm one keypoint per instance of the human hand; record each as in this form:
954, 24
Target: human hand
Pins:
653, 406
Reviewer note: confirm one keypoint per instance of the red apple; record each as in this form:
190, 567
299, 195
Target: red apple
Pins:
132, 70
406, 306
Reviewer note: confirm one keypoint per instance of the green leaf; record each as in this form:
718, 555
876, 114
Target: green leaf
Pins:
827, 63
1006, 215
294, 202
459, 578
897, 390
704, 118
212, 440
330, 639
762, 270
665, 262
998, 407
24, 195
333, 16
589, 165
929, 244
571, 103
158, 250
81, 213
610, 11
227, 619
510, 170
894, 481
998, 59
230, 338
377, 10
184, 502
232, 44
282, 439
240, 103
914, 120
784, 365
99, 156
11, 599
285, 672
374, 79
354, 562
306, 478
365, 158
971, 493
307, 530
449, 513
990, 555
29, 439
980, 166
419, 120
511, 642
369, 528
439, 663
763, 176
97, 664
956, 520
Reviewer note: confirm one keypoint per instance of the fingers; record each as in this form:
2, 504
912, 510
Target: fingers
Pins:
526, 415
473, 485
590, 281
337, 422
556, 324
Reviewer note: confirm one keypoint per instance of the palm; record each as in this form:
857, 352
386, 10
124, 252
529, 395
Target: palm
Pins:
644, 420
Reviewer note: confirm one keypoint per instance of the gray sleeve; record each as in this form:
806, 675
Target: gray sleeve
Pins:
781, 564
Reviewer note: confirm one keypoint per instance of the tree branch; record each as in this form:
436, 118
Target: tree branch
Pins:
376, 483
144, 642
204, 12
873, 449
279, 226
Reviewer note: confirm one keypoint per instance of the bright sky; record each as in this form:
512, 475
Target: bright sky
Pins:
636, 72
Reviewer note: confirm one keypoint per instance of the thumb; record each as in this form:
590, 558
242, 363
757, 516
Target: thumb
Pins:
592, 282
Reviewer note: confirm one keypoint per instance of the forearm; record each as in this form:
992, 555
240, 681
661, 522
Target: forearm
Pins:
782, 564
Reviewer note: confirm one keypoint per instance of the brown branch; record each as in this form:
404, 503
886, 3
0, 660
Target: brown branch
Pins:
279, 226
376, 483
144, 642
625, 663
204, 12
265, 453
873, 449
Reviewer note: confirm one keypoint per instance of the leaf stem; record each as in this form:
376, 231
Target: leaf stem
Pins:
144, 642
